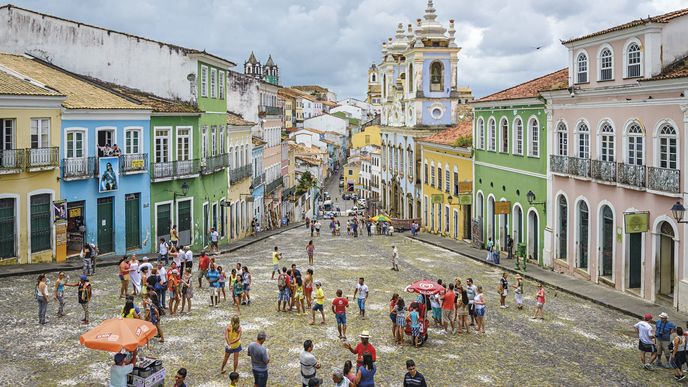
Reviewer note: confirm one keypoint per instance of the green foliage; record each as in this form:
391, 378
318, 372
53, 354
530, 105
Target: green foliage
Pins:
464, 141
306, 182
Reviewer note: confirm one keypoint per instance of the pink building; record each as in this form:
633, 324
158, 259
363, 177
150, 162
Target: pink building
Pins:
618, 160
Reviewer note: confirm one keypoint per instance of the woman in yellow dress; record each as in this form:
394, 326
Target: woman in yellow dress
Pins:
232, 343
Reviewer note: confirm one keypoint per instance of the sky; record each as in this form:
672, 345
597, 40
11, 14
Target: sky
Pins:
332, 43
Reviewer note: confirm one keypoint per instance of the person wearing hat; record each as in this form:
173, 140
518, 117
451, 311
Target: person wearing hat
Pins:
518, 291
319, 304
664, 329
646, 340
121, 368
364, 347
84, 295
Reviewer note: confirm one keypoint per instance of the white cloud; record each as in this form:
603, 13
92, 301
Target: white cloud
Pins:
333, 42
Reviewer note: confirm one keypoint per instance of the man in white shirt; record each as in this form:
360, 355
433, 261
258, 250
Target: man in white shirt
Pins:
646, 340
362, 291
146, 264
120, 370
188, 258
162, 250
309, 364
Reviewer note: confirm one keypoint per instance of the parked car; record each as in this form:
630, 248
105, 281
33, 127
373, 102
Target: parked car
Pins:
354, 211
346, 196
328, 215
362, 203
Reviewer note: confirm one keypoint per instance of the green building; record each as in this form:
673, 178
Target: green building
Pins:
510, 165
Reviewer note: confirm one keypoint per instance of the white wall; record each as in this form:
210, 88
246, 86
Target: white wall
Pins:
327, 123
243, 96
351, 111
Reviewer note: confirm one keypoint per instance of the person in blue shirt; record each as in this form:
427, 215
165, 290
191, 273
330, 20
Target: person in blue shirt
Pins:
415, 324
663, 333
214, 280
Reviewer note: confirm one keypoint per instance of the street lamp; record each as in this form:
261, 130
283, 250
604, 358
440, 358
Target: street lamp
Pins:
185, 191
677, 211
531, 200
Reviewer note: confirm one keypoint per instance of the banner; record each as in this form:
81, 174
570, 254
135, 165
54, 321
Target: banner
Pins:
108, 174
502, 208
637, 222
466, 199
437, 198
59, 211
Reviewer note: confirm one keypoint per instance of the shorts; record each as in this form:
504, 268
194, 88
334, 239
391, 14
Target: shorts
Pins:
679, 360
480, 312
437, 313
189, 265
393, 317
649, 348
213, 244
505, 292
471, 309
415, 331
260, 378
447, 315
216, 292
284, 294
247, 287
232, 350
539, 305
361, 303
461, 312
275, 268
401, 320
317, 307
202, 273
341, 318
222, 285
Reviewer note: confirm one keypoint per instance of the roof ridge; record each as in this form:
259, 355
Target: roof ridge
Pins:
521, 84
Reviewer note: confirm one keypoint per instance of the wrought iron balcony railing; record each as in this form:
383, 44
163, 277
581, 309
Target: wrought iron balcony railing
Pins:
273, 185
78, 168
175, 169
215, 163
270, 110
43, 158
240, 173
559, 164
664, 179
604, 170
133, 163
11, 160
633, 175
579, 167
258, 180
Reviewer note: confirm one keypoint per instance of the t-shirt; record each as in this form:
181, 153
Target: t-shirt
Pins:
362, 350
162, 272
414, 381
275, 257
118, 374
259, 356
204, 263
319, 296
84, 292
188, 256
308, 362
644, 332
214, 278
163, 248
434, 301
470, 292
148, 265
362, 291
540, 296
340, 304
664, 330
448, 300
414, 319
213, 236
178, 259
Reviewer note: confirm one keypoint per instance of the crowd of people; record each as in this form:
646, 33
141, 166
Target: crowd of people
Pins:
663, 339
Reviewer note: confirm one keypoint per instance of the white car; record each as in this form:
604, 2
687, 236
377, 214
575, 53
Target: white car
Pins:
354, 211
362, 203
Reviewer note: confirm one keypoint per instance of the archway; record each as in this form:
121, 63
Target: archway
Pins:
607, 241
582, 234
562, 227
664, 267
533, 236
491, 218
518, 225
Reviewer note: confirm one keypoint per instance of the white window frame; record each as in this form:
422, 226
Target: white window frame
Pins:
606, 138
600, 67
627, 58
533, 137
480, 128
139, 131
577, 67
39, 127
222, 140
166, 149
84, 142
579, 137
204, 142
12, 132
634, 144
503, 130
492, 134
213, 82
658, 144
189, 136
517, 139
213, 140
221, 85
204, 81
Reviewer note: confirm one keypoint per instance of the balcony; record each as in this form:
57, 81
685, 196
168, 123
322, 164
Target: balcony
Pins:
43, 159
273, 185
240, 173
11, 161
78, 168
270, 110
559, 164
133, 163
579, 167
215, 163
633, 175
664, 179
181, 169
604, 170
257, 180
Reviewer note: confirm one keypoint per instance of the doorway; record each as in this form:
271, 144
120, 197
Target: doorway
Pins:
607, 241
635, 246
75, 227
533, 237
491, 218
467, 222
503, 230
163, 223
456, 224
104, 226
583, 226
206, 228
518, 226
664, 272
184, 222
132, 221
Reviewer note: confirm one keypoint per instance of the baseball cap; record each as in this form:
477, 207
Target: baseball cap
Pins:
648, 316
120, 358
318, 282
83, 277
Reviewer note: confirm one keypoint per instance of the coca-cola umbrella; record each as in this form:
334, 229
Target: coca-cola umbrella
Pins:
425, 287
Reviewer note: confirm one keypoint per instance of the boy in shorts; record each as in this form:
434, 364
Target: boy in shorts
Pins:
276, 257
339, 306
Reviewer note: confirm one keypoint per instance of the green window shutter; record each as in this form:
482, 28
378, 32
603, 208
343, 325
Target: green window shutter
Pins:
7, 228
40, 223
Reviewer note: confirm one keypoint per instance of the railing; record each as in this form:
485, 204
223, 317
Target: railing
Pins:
664, 179
240, 173
11, 160
258, 180
273, 185
215, 163
579, 167
175, 169
559, 164
78, 168
133, 163
43, 157
187, 167
633, 175
604, 170
162, 170
270, 110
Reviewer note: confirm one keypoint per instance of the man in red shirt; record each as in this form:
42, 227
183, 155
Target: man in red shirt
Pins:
362, 348
447, 300
203, 265
339, 305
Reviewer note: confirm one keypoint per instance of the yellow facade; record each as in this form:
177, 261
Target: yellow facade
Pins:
352, 171
441, 210
238, 208
368, 136
30, 182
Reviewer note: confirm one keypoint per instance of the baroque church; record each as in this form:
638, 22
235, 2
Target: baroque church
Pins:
269, 72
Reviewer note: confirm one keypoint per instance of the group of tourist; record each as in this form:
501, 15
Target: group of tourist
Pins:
664, 340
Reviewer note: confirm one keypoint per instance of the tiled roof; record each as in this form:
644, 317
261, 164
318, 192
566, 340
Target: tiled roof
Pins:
329, 103
234, 119
13, 85
309, 160
257, 141
665, 18
315, 130
531, 89
80, 93
678, 69
157, 104
449, 136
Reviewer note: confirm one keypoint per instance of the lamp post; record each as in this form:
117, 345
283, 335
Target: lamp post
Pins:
677, 211
185, 191
531, 200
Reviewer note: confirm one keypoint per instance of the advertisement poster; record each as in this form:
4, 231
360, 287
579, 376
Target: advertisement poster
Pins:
108, 172
59, 211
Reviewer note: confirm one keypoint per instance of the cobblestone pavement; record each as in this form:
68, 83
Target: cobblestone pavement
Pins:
579, 343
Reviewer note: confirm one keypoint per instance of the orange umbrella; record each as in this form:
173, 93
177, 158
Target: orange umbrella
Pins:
116, 334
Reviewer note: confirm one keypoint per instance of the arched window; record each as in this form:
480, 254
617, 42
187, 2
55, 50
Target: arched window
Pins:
533, 138
606, 65
582, 235
384, 85
583, 140
667, 147
582, 68
436, 76
518, 136
491, 135
439, 176
481, 134
410, 78
633, 68
373, 77
634, 144
606, 142
562, 227
504, 129
562, 139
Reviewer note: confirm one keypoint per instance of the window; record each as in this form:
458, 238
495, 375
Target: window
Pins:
606, 142
456, 181
162, 146
221, 85
534, 138
634, 144
583, 133
439, 177
518, 136
562, 229
481, 134
222, 139
425, 172
633, 60
8, 228
75, 144
410, 78
432, 174
436, 76
183, 144
606, 65
204, 81
447, 179
213, 83
583, 226
504, 124
491, 134
213, 140
40, 133
562, 139
7, 135
204, 142
132, 141
582, 68
667, 147
41, 230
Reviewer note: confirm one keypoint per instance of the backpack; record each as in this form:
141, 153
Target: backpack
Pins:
282, 281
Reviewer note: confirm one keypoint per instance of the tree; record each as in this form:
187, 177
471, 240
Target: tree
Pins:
306, 182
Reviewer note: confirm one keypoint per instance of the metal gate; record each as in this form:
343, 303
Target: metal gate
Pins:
162, 226
8, 231
105, 225
132, 221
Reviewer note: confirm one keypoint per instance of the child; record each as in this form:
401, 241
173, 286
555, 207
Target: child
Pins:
234, 379
518, 291
298, 297
415, 324
223, 278
238, 292
540, 303
401, 321
436, 309
153, 315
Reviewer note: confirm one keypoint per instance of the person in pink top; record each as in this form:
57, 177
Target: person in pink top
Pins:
540, 303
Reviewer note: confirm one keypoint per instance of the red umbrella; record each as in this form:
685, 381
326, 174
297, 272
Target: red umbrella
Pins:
424, 287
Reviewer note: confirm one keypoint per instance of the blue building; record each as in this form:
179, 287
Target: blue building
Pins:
258, 185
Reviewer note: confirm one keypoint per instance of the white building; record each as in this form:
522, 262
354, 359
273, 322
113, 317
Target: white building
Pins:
328, 123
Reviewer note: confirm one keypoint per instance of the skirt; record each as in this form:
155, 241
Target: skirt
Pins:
401, 320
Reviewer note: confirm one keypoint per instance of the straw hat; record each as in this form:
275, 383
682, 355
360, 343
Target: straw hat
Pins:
364, 335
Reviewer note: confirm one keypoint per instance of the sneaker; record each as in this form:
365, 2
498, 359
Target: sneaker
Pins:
648, 366
503, 306
679, 378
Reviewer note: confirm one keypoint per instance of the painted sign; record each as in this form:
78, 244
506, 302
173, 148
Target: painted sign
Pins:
466, 199
637, 222
502, 208
108, 174
465, 186
437, 198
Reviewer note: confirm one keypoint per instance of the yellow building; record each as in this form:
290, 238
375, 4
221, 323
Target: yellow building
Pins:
29, 171
289, 98
447, 181
240, 173
352, 172
368, 136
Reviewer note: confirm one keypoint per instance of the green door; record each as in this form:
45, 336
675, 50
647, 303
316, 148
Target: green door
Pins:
184, 219
8, 230
635, 266
163, 224
105, 225
41, 223
132, 221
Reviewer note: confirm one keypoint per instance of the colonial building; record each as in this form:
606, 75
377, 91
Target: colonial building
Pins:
374, 89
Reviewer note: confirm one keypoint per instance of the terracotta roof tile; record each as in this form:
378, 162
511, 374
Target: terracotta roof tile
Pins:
234, 119
678, 69
257, 141
449, 136
14, 85
664, 18
531, 89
